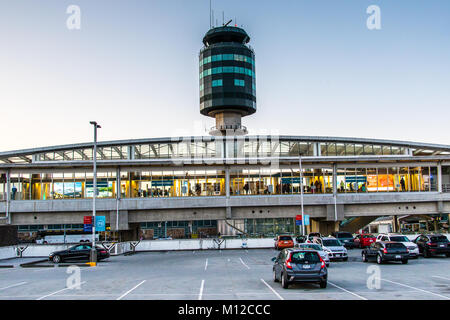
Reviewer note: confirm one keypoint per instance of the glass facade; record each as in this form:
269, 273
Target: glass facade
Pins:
144, 183
178, 229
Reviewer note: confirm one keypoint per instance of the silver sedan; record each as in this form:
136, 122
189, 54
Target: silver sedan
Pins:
318, 248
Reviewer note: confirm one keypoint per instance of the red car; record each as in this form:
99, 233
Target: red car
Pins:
364, 240
284, 241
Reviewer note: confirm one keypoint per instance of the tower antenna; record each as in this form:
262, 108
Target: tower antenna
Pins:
227, 23
210, 15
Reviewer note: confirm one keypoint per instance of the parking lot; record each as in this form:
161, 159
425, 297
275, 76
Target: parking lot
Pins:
225, 274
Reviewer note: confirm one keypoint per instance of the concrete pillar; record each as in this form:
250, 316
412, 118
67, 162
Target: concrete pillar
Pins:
335, 186
8, 195
439, 177
227, 181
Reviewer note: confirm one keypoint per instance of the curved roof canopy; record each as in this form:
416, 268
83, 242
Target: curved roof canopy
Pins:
248, 146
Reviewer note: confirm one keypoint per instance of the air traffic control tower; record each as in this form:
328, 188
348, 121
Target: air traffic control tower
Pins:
227, 79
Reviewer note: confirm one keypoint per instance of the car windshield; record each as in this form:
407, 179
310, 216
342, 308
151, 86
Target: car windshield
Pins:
332, 243
395, 245
302, 257
439, 239
344, 235
399, 238
285, 238
311, 246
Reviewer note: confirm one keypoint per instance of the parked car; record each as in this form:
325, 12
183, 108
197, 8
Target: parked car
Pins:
300, 239
299, 265
334, 248
364, 240
432, 244
386, 251
283, 241
395, 237
313, 236
318, 248
79, 252
346, 238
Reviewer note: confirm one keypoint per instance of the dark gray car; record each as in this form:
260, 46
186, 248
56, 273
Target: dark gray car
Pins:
386, 251
299, 265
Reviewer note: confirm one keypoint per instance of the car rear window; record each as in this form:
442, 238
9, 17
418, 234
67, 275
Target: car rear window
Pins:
302, 257
399, 238
285, 238
395, 245
331, 243
439, 239
368, 236
344, 235
311, 246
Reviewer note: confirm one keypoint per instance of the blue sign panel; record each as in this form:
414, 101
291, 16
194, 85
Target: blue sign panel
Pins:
290, 180
299, 222
162, 183
87, 227
100, 223
356, 179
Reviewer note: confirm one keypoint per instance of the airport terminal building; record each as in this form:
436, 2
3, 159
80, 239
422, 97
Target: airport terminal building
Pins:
229, 182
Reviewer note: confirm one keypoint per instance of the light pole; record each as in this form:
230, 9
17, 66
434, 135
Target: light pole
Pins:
93, 250
301, 194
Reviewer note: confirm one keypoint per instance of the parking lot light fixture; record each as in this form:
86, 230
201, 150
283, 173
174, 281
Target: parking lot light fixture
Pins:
93, 256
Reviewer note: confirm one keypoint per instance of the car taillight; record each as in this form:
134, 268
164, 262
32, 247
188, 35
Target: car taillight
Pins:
322, 263
102, 251
431, 244
385, 250
288, 263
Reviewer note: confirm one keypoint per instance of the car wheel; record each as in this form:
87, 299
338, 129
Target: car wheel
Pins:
447, 255
379, 259
275, 276
284, 282
364, 257
56, 259
426, 253
323, 284
405, 261
345, 259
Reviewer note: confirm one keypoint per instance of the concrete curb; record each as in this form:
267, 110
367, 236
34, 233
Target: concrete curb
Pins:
7, 266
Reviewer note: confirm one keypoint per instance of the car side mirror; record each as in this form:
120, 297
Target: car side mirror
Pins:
274, 259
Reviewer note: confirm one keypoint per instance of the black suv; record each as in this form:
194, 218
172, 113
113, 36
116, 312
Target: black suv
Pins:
432, 244
346, 238
386, 251
299, 265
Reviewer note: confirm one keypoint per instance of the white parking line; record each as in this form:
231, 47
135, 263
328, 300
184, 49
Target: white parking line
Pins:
429, 292
440, 277
201, 290
51, 294
276, 293
356, 295
244, 263
119, 298
13, 285
206, 264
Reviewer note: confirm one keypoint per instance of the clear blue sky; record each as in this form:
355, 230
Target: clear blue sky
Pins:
133, 67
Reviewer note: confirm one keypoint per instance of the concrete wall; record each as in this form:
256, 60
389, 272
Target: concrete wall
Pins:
7, 252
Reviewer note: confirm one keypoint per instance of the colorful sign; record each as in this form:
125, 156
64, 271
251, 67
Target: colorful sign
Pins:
100, 223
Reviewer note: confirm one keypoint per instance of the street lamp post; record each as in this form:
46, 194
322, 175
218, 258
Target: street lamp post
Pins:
301, 194
94, 196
